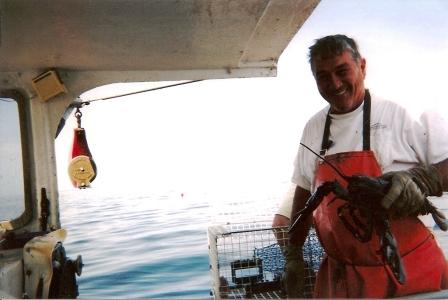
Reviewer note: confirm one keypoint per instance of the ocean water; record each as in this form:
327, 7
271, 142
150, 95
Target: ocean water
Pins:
150, 245
155, 245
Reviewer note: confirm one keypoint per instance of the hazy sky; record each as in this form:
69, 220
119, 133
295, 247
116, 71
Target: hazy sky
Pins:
10, 146
241, 134
11, 179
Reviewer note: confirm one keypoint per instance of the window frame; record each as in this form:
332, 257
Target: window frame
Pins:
26, 140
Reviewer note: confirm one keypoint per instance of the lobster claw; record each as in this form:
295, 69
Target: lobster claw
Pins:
389, 249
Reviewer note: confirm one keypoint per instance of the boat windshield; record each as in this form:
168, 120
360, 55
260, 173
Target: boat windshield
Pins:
12, 195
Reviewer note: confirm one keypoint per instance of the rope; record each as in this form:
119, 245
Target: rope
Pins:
80, 104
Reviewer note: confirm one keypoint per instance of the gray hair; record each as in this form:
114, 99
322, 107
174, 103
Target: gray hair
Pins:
333, 45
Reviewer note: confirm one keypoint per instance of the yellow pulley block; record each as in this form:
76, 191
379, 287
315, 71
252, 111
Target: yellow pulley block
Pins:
81, 171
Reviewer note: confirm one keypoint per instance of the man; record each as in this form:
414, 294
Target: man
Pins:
362, 134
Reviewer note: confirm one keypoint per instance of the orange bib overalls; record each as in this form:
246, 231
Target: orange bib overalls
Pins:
353, 269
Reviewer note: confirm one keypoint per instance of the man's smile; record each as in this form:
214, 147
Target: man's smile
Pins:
341, 92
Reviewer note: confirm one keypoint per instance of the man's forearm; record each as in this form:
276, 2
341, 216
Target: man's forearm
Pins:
300, 197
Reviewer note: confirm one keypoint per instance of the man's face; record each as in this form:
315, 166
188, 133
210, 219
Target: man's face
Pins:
340, 80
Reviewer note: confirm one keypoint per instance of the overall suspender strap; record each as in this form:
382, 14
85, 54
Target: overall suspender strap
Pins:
327, 143
366, 122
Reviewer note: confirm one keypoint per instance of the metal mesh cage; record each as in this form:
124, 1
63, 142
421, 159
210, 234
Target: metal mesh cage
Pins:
246, 261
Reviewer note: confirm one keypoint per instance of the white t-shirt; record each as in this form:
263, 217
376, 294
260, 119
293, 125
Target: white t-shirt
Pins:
398, 141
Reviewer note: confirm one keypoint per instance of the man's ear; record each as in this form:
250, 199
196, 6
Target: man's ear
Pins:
363, 67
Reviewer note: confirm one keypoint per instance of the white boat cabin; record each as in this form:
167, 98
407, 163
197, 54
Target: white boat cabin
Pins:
53, 51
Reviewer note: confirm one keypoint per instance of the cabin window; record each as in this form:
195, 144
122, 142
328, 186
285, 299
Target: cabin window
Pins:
12, 194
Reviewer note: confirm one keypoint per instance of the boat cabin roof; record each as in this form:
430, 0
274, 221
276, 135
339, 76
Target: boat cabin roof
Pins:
155, 35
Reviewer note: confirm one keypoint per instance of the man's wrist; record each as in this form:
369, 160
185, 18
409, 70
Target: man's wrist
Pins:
428, 180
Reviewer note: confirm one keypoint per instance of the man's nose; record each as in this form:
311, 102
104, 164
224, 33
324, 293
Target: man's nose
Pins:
335, 82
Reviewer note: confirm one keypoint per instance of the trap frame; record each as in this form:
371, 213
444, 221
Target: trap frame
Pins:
246, 260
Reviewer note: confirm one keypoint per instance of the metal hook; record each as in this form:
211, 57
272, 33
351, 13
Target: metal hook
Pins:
78, 115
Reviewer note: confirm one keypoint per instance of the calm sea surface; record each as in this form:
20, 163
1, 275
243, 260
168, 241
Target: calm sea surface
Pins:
148, 246
156, 245
152, 246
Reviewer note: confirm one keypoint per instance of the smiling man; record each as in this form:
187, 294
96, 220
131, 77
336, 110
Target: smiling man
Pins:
340, 79
360, 133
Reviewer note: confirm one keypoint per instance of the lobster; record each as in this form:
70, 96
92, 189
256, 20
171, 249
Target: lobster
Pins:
364, 194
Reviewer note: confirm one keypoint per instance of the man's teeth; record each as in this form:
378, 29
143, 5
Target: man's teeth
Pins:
340, 93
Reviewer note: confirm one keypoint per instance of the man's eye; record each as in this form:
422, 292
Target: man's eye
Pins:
323, 77
342, 72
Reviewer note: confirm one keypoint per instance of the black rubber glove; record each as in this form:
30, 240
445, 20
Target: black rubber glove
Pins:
409, 189
294, 273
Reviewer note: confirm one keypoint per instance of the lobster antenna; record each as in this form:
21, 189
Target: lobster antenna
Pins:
329, 163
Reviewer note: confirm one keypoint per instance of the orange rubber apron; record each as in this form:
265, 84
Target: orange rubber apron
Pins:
352, 269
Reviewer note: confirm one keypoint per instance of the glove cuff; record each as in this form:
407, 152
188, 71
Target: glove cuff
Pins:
428, 179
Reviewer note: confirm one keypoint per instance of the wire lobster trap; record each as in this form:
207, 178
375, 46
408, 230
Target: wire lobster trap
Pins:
246, 261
